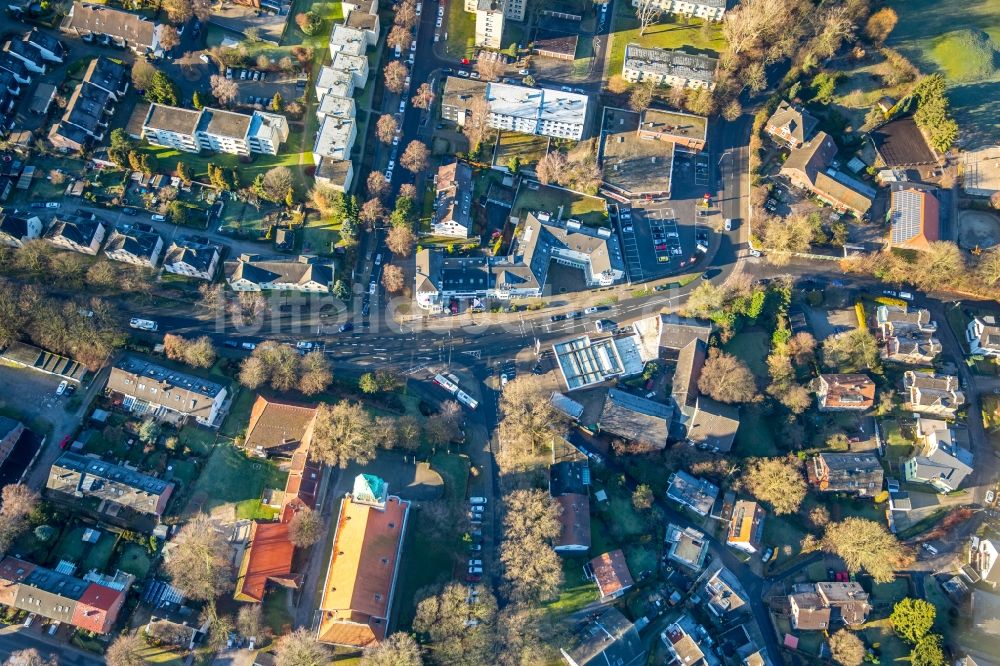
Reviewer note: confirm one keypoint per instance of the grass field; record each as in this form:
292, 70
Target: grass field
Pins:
87, 556
530, 149
231, 477
591, 211
461, 29
672, 32
239, 415
134, 559
751, 346
576, 590
958, 38
755, 436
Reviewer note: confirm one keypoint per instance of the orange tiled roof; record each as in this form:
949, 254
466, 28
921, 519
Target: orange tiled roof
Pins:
362, 572
611, 572
268, 556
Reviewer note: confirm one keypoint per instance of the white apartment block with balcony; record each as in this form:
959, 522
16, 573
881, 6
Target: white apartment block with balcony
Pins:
337, 107
334, 82
335, 139
355, 66
347, 40
712, 10
214, 130
668, 67
490, 16
542, 111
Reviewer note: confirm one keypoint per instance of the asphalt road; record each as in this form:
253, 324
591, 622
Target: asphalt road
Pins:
14, 638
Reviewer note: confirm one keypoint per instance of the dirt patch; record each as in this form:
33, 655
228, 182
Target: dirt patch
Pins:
978, 228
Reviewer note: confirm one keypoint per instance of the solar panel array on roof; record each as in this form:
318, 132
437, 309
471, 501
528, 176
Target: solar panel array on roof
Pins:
907, 214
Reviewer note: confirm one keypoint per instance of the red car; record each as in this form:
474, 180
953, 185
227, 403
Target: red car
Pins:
472, 578
661, 247
65, 443
465, 61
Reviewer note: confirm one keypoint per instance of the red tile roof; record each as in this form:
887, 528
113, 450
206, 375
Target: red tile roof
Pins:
267, 557
611, 572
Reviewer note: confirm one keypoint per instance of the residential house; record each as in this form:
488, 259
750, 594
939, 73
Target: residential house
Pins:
357, 597
845, 392
15, 68
642, 422
267, 558
892, 320
26, 53
59, 597
366, 23
73, 477
278, 428
984, 558
10, 432
180, 621
304, 273
82, 233
214, 130
146, 388
810, 167
685, 130
17, 227
708, 10
911, 348
604, 638
927, 393
723, 593
848, 600
51, 49
943, 458
696, 494
540, 111
681, 639
569, 485
713, 425
855, 473
348, 6
914, 216
453, 201
192, 259
746, 527
574, 524
983, 336
490, 16
686, 546
790, 125
674, 68
610, 572
985, 612
808, 612
684, 390
663, 336
91, 106
106, 25
133, 245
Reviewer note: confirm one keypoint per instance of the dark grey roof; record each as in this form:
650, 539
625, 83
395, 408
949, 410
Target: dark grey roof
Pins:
45, 41
299, 270
196, 255
86, 107
13, 223
671, 62
25, 50
132, 240
606, 638
569, 477
636, 419
75, 228
677, 332
92, 477
7, 425
102, 20
797, 121
109, 75
689, 364
14, 66
714, 424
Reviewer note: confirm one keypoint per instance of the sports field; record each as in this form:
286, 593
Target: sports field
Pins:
960, 39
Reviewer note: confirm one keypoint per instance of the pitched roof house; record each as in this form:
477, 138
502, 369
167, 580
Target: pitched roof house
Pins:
893, 320
604, 638
722, 597
364, 564
133, 245
610, 572
17, 228
191, 258
684, 391
58, 596
983, 336
574, 524
76, 232
940, 395
984, 557
696, 494
147, 388
809, 613
911, 347
267, 558
77, 476
941, 460
849, 601
790, 125
123, 28
254, 273
746, 527
856, 473
278, 427
914, 216
663, 336
846, 392
713, 424
810, 167
681, 641
635, 419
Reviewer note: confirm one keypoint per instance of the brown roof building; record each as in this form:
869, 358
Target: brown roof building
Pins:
574, 523
847, 392
364, 563
790, 125
278, 428
610, 572
857, 473
809, 613
809, 167
267, 558
915, 216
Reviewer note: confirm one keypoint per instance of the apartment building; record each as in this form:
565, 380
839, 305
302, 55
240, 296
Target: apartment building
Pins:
336, 107
335, 139
82, 233
668, 67
214, 130
709, 10
303, 273
453, 201
142, 387
74, 477
192, 259
132, 245
107, 25
347, 40
334, 82
490, 15
541, 111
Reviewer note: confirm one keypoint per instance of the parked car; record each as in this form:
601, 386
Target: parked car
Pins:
477, 500
304, 344
590, 310
67, 440
475, 571
768, 554
558, 317
475, 563
249, 346
728, 224
62, 387
204, 58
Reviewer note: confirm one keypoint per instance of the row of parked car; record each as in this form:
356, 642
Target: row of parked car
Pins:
247, 74
477, 509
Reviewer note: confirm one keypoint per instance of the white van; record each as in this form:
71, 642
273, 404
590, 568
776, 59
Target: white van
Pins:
158, 218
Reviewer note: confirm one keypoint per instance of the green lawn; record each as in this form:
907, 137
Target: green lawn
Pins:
897, 446
254, 509
785, 535
576, 590
162, 656
752, 346
199, 440
461, 28
239, 414
530, 149
755, 436
134, 559
454, 470
672, 32
231, 477
86, 555
590, 211
275, 611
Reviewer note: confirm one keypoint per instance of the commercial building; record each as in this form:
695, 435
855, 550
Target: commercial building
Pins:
75, 477
214, 130
305, 273
685, 130
541, 111
674, 68
146, 388
364, 565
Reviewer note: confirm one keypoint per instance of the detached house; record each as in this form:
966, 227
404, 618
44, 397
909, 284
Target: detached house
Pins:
696, 494
935, 394
254, 273
983, 336
943, 459
810, 167
193, 259
635, 419
132, 245
77, 232
17, 228
278, 428
790, 125
821, 606
856, 473
74, 476
984, 558
142, 387
746, 527
610, 572
846, 392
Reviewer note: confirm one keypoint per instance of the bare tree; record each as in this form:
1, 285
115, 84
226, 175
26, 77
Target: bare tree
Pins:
847, 649
405, 13
126, 650
445, 617
424, 96
393, 279
648, 12
477, 121
532, 569
489, 69
276, 183
386, 128
551, 167
399, 649
142, 74
776, 481
399, 36
250, 621
199, 562
733, 110
851, 351
300, 648
415, 158
727, 379
371, 211
178, 11
169, 38
400, 240
30, 657
395, 74
202, 9
865, 544
341, 434
224, 90
17, 501
641, 97
315, 374
305, 528
376, 184
529, 422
